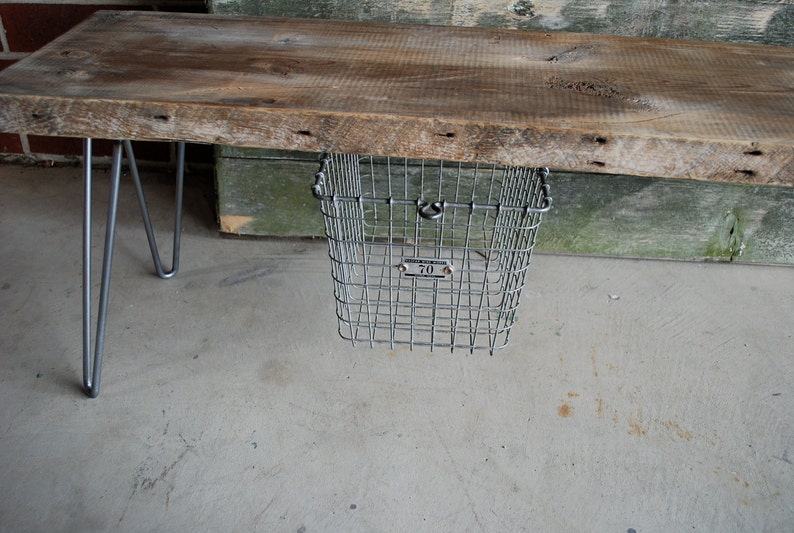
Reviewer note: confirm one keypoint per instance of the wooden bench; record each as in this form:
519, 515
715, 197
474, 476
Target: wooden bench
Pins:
572, 102
569, 101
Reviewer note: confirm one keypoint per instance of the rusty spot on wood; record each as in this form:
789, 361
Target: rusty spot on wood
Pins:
282, 69
572, 394
600, 88
753, 150
74, 53
571, 54
565, 410
589, 87
595, 139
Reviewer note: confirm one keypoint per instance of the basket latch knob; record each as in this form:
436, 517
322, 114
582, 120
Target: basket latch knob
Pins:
428, 210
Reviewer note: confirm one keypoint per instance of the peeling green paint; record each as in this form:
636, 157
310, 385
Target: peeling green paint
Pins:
747, 21
591, 214
728, 243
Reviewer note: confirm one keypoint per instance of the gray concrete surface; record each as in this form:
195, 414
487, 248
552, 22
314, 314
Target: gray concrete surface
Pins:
635, 395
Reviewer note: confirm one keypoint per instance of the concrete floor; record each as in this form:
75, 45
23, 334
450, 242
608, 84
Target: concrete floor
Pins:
635, 395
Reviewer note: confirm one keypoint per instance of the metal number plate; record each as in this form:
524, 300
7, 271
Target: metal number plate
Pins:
417, 267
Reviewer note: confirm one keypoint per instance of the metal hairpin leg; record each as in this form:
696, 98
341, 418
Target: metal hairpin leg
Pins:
147, 222
92, 363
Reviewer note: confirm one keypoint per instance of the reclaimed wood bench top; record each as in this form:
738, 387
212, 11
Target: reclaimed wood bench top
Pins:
574, 102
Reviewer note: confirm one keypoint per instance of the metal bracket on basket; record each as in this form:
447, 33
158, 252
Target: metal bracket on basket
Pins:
430, 211
319, 178
427, 210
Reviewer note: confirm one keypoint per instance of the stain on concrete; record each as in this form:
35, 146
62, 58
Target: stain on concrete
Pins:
678, 430
635, 422
250, 274
276, 372
599, 407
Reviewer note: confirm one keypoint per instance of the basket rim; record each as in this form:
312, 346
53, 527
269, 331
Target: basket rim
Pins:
435, 210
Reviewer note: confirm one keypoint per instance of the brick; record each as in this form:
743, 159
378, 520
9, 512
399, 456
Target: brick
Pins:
30, 26
144, 151
6, 63
65, 146
10, 144
152, 151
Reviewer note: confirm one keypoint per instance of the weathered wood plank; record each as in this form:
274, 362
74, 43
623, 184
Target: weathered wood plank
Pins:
673, 219
573, 102
268, 197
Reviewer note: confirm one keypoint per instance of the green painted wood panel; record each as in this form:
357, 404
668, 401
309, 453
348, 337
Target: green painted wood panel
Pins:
750, 21
591, 214
267, 192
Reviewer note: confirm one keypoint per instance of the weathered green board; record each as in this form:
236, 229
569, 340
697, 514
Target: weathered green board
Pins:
267, 192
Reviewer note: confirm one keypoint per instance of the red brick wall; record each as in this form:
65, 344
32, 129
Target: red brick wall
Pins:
27, 26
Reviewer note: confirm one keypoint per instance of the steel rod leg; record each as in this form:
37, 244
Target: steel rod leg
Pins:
147, 222
92, 365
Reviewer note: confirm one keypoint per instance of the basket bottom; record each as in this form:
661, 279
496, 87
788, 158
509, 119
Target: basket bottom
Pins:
467, 309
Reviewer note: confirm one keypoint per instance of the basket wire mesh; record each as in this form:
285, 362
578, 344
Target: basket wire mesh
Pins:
428, 253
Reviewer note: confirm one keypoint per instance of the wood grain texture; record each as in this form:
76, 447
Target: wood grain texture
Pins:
573, 102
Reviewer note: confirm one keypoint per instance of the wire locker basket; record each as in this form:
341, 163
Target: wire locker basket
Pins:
428, 253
